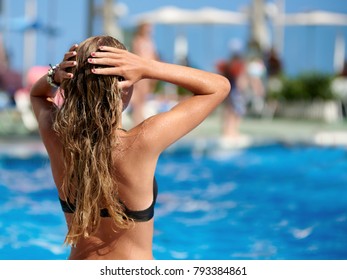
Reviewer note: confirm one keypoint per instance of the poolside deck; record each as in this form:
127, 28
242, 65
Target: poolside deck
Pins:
254, 132
281, 130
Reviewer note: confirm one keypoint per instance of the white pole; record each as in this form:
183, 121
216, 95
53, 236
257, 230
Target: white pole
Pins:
111, 26
259, 32
339, 54
29, 49
180, 47
91, 14
5, 15
279, 27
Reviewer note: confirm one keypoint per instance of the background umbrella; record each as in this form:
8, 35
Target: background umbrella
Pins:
321, 18
171, 15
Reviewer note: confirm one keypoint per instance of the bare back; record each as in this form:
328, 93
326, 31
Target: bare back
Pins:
134, 171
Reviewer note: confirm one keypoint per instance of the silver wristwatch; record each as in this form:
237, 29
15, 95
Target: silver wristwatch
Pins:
50, 75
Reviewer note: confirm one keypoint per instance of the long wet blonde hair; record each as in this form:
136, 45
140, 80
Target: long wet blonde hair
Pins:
86, 124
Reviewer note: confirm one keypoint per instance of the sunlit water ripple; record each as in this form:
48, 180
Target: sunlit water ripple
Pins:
269, 202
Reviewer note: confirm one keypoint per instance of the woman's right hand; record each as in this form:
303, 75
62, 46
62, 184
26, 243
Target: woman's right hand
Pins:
61, 73
122, 63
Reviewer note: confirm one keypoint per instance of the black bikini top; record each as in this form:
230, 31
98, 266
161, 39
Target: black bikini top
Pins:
138, 216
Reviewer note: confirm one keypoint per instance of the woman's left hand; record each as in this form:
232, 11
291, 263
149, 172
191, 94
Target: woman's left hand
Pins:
120, 63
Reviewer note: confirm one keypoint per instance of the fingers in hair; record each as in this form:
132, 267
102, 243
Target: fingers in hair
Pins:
107, 71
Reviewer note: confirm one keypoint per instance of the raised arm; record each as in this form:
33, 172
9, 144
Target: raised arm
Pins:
42, 93
208, 89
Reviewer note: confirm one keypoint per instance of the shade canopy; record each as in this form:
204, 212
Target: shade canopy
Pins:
208, 15
314, 18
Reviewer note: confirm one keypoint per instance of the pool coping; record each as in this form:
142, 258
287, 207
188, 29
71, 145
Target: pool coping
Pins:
245, 142
26, 146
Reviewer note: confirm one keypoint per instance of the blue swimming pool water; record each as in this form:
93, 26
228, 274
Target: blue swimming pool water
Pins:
268, 202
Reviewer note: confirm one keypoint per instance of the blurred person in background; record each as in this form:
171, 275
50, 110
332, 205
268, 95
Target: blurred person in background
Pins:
235, 105
10, 80
274, 71
256, 74
104, 174
22, 97
142, 45
273, 82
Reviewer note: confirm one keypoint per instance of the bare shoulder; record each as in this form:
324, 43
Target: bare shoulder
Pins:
47, 133
156, 133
